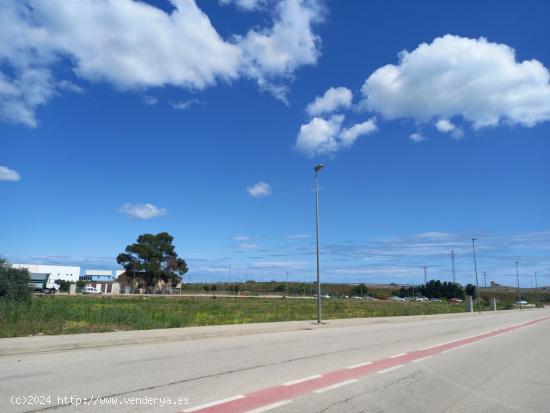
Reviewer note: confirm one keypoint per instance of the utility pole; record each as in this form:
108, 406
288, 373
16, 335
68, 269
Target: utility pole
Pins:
453, 266
425, 275
518, 293
484, 279
477, 283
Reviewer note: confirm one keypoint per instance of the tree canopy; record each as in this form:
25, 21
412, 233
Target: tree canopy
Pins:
14, 282
152, 260
434, 289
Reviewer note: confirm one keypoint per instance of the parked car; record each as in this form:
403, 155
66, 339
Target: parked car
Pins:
422, 299
435, 300
91, 290
396, 298
521, 302
456, 300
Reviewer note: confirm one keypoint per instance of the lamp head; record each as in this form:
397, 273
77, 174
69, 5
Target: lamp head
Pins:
318, 167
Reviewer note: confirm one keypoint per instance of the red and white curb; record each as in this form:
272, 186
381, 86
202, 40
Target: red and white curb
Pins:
273, 397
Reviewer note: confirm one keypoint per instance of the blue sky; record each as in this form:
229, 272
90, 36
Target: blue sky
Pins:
205, 119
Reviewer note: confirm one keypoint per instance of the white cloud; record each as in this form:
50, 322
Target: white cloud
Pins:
184, 105
275, 53
453, 76
446, 126
321, 136
333, 99
67, 85
348, 136
417, 137
7, 174
150, 100
142, 211
260, 189
134, 45
247, 5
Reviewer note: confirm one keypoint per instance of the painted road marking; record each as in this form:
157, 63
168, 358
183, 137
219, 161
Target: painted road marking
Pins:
269, 397
336, 386
436, 345
390, 369
212, 404
270, 406
398, 355
422, 359
456, 348
360, 365
290, 383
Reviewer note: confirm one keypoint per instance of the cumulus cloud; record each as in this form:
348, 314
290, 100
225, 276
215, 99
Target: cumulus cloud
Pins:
446, 126
142, 211
7, 174
134, 45
325, 136
477, 80
417, 137
259, 190
274, 53
349, 135
334, 98
319, 136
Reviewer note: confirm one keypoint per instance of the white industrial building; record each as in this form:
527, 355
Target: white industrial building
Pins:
55, 272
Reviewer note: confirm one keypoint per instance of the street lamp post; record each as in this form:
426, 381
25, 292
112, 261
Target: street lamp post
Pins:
475, 267
536, 289
517, 277
317, 169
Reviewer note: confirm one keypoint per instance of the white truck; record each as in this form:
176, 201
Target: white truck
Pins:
43, 283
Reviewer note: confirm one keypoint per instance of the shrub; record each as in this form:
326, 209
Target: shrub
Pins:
14, 283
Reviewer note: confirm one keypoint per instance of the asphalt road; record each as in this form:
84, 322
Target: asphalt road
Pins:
482, 363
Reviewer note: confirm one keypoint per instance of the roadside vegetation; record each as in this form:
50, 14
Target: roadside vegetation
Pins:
14, 283
78, 314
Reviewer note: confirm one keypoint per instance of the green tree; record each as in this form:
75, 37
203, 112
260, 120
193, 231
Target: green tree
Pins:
64, 285
359, 290
14, 282
153, 259
470, 290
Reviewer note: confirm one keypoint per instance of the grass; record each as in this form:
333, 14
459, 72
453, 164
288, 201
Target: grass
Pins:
54, 315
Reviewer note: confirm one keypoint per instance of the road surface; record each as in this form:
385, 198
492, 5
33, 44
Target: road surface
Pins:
453, 363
